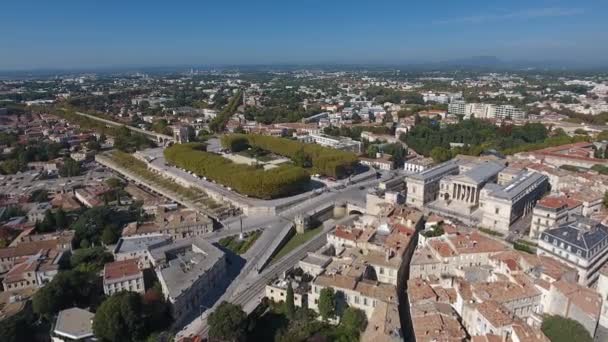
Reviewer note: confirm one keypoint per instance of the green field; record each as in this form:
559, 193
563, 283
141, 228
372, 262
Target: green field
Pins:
295, 241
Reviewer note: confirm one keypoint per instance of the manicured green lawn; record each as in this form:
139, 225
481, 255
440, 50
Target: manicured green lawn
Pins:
295, 241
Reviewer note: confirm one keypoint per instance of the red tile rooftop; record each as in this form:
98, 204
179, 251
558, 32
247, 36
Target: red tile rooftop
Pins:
347, 234
556, 202
121, 269
495, 313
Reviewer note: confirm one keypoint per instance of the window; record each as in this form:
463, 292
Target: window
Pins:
496, 210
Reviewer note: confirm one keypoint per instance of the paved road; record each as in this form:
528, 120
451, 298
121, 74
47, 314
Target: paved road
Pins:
251, 291
246, 288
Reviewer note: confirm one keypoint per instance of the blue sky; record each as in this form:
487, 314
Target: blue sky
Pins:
96, 33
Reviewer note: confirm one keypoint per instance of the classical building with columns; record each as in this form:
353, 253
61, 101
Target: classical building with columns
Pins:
502, 205
480, 192
463, 190
423, 187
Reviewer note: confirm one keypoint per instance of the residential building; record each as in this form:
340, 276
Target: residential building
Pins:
456, 254
137, 247
581, 244
551, 211
417, 164
277, 292
37, 212
188, 270
509, 112
33, 271
32, 245
602, 289
434, 321
339, 143
575, 302
384, 324
179, 224
124, 275
381, 162
579, 154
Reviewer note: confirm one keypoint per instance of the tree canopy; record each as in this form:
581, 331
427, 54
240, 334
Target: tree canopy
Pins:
476, 135
68, 288
290, 308
353, 322
120, 318
227, 323
562, 329
245, 179
325, 160
327, 303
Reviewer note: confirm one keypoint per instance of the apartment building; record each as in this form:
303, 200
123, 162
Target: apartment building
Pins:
188, 270
338, 143
179, 224
138, 246
124, 275
576, 302
33, 271
551, 211
581, 244
32, 245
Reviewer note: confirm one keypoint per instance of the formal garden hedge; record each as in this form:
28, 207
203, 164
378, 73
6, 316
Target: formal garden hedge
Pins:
326, 161
249, 180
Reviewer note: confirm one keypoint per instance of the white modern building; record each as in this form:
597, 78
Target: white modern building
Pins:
339, 143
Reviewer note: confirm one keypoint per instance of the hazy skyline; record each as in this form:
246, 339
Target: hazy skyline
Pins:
84, 34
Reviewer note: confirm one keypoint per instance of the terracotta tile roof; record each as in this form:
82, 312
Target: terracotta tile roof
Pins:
503, 291
495, 313
420, 290
586, 299
556, 202
384, 292
442, 248
475, 243
347, 234
28, 248
486, 338
336, 280
436, 322
121, 269
526, 333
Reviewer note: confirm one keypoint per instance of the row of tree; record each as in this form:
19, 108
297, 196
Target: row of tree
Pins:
219, 122
324, 160
246, 179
